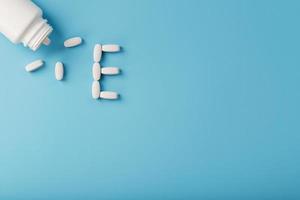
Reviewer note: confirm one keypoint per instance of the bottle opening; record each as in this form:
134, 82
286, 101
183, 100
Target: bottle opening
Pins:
37, 34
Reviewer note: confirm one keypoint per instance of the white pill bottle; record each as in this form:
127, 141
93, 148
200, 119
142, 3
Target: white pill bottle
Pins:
21, 21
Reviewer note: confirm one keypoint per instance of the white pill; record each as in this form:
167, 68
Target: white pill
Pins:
97, 52
96, 90
73, 42
59, 71
111, 48
34, 65
110, 70
96, 71
109, 95
47, 41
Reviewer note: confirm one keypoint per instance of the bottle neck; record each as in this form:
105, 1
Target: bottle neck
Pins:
36, 33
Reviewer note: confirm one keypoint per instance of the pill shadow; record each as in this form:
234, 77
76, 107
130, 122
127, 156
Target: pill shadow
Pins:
66, 72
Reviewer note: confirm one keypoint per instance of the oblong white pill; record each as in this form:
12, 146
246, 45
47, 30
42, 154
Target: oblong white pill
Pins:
96, 71
109, 95
59, 71
110, 70
96, 90
111, 48
73, 42
47, 41
34, 65
97, 52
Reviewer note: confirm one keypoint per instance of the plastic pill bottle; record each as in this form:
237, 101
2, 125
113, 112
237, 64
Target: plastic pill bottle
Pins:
21, 21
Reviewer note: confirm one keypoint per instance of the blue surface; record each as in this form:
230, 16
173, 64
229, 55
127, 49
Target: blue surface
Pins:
209, 108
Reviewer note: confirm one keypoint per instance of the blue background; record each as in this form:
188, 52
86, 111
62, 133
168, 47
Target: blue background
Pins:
209, 103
